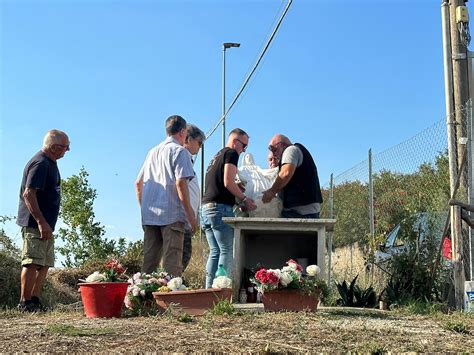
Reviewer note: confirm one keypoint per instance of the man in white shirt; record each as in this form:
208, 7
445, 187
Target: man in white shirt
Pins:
163, 194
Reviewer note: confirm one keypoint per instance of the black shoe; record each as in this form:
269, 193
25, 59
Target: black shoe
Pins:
27, 306
38, 305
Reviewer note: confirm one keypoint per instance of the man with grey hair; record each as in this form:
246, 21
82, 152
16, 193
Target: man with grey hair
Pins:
163, 195
297, 179
40, 197
193, 142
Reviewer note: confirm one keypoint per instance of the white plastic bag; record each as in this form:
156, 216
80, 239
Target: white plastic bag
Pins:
257, 180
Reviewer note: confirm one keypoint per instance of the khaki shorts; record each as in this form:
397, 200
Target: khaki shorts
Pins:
36, 251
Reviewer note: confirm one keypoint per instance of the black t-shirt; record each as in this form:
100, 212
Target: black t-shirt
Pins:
41, 173
215, 189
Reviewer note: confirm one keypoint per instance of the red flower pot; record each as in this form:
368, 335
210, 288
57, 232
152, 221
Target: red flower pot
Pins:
193, 302
289, 300
103, 299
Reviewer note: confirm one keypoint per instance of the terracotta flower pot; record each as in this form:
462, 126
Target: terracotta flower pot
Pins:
103, 299
193, 302
289, 300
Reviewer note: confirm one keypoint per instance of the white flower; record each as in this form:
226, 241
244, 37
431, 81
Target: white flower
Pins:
128, 302
95, 277
313, 270
135, 291
286, 278
137, 276
175, 283
142, 293
222, 282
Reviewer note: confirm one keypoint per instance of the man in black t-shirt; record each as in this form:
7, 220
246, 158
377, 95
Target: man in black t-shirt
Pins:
221, 194
38, 210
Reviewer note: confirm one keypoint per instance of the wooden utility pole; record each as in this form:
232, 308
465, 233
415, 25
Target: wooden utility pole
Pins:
460, 78
459, 42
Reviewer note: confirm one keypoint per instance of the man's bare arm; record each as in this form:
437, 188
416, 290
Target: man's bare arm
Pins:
183, 194
31, 201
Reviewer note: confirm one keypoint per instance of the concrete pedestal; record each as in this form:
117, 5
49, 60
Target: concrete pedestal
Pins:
271, 242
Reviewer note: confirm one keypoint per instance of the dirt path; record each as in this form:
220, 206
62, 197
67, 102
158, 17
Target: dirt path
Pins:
326, 330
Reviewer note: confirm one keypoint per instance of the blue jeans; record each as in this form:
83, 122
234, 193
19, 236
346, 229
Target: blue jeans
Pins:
220, 237
293, 214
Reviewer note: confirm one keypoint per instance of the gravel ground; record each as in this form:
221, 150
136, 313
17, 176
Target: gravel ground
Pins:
327, 330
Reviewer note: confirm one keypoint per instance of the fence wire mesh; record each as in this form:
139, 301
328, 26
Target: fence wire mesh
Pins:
408, 179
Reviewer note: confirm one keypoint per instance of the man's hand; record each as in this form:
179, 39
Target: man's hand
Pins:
268, 196
45, 231
250, 204
194, 225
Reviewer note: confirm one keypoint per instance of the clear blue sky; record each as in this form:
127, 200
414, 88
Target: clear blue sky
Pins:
340, 77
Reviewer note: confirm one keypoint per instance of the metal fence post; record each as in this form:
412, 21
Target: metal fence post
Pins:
470, 185
331, 215
371, 198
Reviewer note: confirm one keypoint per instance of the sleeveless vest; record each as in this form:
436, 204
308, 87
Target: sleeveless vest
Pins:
303, 187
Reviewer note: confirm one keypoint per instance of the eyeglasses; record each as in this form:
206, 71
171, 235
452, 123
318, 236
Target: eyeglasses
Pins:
244, 146
62, 146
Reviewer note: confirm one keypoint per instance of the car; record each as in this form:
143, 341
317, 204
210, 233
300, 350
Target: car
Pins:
423, 224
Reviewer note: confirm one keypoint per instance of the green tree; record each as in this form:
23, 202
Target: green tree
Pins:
83, 237
7, 247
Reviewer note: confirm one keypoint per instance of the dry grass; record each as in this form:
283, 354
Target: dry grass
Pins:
323, 331
328, 330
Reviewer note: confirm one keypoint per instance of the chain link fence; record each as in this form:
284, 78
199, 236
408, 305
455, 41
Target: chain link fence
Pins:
409, 180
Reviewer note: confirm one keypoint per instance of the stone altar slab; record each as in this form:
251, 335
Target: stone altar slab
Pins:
273, 241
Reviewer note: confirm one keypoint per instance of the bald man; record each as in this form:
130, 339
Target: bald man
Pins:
297, 180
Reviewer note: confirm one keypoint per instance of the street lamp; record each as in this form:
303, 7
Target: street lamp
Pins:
224, 47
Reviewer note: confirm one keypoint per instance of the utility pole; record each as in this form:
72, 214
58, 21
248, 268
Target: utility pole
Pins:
459, 22
460, 75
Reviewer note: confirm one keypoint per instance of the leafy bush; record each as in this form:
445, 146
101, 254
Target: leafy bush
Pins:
355, 296
83, 237
412, 269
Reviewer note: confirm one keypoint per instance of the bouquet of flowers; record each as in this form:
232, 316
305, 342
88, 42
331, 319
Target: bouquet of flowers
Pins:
141, 288
112, 271
290, 277
222, 282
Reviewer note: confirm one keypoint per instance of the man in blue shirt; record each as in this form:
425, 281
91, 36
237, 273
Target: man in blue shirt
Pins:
40, 197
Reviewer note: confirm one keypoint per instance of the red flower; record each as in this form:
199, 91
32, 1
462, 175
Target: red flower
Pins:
298, 266
265, 277
116, 266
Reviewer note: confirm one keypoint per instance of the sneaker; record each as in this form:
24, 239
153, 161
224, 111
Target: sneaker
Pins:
38, 305
26, 306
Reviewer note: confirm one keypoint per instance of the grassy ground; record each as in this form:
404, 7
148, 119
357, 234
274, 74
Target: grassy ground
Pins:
327, 330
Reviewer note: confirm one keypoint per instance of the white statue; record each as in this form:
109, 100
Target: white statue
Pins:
257, 180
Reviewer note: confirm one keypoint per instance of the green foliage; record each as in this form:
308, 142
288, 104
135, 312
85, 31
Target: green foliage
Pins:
7, 247
457, 326
185, 318
224, 307
412, 269
83, 237
10, 268
352, 212
354, 296
397, 196
423, 307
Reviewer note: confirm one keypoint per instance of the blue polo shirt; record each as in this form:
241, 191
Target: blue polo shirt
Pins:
42, 174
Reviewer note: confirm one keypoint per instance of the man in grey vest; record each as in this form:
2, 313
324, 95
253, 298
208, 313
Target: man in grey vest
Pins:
297, 181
